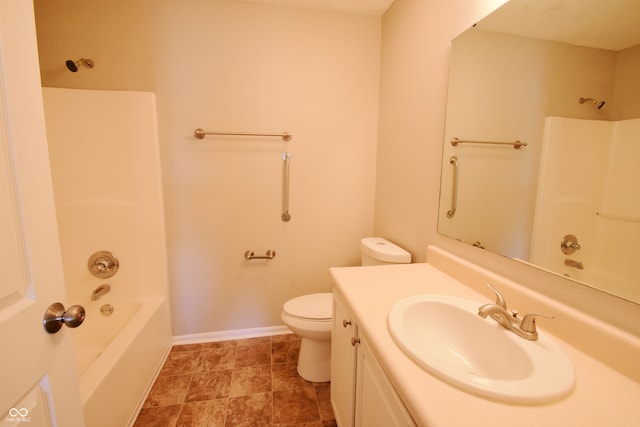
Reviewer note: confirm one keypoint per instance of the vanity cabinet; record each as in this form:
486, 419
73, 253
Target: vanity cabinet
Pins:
361, 394
376, 403
343, 366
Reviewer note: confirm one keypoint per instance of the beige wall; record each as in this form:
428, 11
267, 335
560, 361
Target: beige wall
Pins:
226, 65
627, 85
118, 35
241, 65
413, 91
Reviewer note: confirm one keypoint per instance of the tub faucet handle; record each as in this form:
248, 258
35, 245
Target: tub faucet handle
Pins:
103, 264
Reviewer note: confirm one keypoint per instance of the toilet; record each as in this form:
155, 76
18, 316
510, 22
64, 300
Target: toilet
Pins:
310, 316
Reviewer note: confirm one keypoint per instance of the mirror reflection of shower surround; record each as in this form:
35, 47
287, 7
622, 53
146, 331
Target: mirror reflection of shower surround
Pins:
84, 62
597, 104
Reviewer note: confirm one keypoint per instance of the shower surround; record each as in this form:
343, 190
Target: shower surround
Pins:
588, 187
106, 176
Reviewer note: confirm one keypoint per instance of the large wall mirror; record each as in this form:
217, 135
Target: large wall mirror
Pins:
542, 141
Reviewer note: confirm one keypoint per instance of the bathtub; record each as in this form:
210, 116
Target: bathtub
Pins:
118, 357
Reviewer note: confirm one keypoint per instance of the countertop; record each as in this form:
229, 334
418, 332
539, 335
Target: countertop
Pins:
603, 395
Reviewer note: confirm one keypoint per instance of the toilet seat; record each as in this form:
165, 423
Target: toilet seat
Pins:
318, 307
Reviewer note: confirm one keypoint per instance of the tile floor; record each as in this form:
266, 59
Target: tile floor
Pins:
249, 382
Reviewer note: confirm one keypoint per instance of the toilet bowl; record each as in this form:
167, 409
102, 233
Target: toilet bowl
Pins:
310, 316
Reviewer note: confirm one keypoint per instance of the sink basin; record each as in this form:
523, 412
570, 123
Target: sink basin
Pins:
446, 337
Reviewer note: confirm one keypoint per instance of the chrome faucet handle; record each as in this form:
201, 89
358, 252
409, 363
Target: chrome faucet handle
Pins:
528, 323
499, 298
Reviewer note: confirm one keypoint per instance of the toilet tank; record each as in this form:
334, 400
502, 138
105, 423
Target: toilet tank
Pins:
378, 251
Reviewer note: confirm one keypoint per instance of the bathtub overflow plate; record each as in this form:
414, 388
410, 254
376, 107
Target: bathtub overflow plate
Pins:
106, 310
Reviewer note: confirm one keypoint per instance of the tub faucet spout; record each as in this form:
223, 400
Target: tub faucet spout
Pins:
100, 291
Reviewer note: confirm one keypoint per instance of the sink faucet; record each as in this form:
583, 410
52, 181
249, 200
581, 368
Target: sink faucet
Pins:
100, 291
524, 328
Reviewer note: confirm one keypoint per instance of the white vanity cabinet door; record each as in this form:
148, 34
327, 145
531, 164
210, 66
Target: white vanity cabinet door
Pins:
377, 404
343, 366
361, 394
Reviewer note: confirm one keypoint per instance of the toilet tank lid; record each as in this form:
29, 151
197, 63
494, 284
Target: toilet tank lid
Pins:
384, 250
311, 306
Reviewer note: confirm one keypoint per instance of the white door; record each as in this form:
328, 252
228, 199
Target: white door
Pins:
38, 382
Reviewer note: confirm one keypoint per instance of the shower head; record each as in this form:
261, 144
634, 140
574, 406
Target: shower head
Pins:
597, 104
85, 62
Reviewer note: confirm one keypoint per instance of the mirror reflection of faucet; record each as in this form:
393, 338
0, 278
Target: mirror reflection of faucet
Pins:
100, 291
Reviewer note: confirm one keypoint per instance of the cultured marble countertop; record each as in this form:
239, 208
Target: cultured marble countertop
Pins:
603, 396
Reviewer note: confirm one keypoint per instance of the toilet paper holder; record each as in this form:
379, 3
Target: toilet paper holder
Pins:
249, 255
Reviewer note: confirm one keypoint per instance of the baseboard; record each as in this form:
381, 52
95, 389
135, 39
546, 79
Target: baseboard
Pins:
233, 334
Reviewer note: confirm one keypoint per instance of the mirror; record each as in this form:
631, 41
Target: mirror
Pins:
560, 77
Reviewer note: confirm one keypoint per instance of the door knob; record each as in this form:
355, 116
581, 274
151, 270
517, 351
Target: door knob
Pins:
56, 316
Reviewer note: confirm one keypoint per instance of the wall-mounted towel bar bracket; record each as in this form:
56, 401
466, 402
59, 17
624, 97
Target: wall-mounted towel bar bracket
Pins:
200, 134
248, 255
516, 144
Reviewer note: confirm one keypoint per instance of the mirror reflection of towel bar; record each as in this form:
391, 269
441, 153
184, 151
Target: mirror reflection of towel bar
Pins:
454, 192
516, 144
248, 255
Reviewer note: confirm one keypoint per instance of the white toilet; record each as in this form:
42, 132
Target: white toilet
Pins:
310, 316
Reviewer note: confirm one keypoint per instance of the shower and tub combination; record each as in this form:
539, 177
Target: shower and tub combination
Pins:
587, 218
106, 176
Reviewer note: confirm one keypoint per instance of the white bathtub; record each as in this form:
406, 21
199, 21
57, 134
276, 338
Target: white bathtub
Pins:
118, 358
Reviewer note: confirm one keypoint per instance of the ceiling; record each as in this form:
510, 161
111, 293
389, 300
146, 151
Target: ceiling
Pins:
364, 7
604, 24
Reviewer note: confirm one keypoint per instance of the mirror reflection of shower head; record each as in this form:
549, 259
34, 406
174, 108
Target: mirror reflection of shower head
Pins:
597, 104
85, 62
